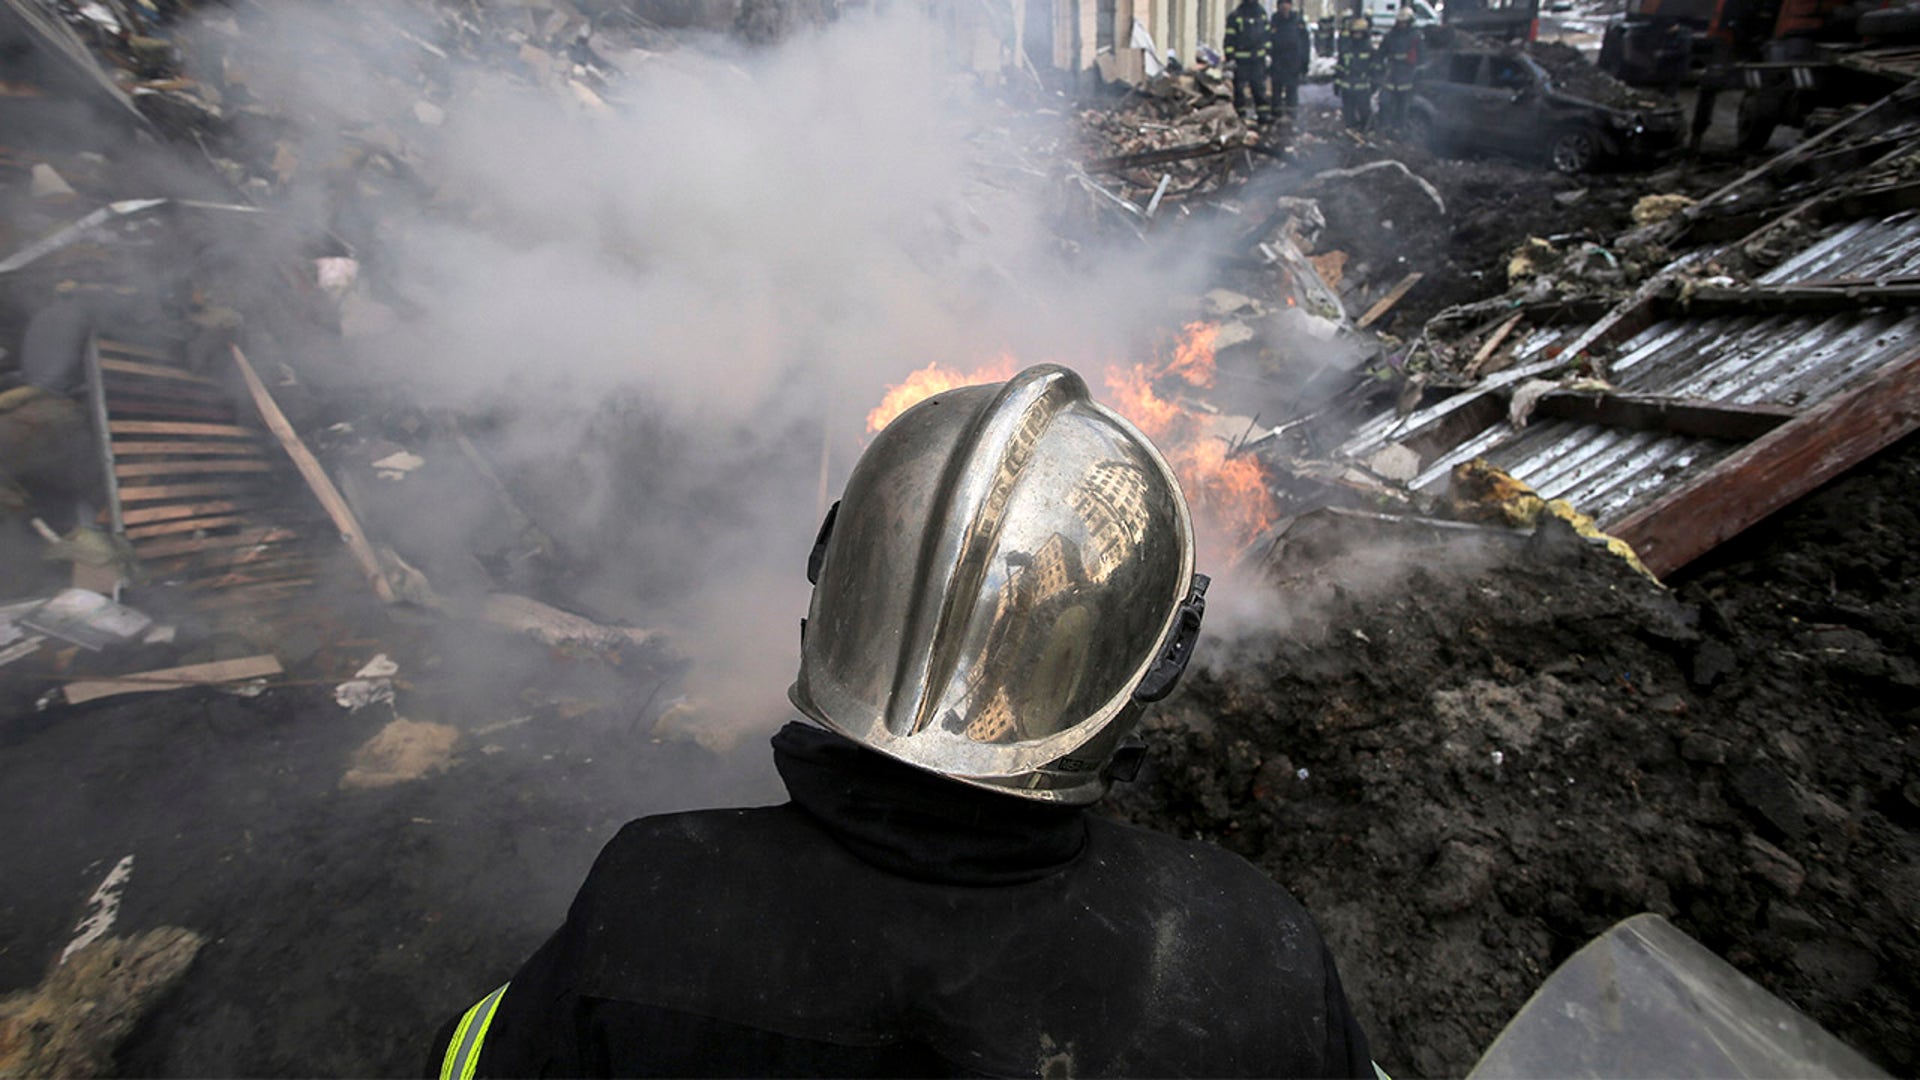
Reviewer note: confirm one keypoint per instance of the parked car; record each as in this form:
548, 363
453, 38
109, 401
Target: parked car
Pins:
1501, 100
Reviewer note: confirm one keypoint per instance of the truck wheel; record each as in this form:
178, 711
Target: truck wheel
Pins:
1575, 151
1759, 115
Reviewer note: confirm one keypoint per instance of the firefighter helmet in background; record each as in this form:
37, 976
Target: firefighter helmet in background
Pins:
1359, 24
1405, 18
1006, 581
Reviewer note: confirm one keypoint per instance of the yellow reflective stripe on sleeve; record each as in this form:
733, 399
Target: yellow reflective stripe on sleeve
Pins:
463, 1050
1378, 1072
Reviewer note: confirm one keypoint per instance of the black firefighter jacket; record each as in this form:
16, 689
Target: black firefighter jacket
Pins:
888, 921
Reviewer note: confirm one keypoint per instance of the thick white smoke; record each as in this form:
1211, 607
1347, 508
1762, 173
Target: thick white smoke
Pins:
745, 248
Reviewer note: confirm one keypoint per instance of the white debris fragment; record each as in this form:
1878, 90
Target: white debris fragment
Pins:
1498, 757
429, 114
87, 619
103, 908
371, 685
49, 184
1301, 773
397, 465
336, 274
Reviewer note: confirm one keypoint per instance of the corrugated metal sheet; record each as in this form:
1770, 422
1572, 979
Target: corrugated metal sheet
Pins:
1884, 247
1796, 360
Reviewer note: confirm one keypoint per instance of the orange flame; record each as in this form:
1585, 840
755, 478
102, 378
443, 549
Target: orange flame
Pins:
1193, 357
930, 380
1229, 495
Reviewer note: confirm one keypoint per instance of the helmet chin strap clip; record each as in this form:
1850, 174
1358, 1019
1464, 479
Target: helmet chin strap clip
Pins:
1167, 668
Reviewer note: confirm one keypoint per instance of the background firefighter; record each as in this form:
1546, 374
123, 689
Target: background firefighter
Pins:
1246, 43
1290, 48
1354, 72
1399, 58
1007, 582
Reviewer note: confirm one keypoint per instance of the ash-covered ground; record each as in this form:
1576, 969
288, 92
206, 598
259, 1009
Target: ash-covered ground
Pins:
1469, 762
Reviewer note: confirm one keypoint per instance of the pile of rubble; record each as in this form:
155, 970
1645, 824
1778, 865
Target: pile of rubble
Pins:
1610, 379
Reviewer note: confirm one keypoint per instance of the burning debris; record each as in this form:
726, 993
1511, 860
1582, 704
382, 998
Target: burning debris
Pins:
515, 348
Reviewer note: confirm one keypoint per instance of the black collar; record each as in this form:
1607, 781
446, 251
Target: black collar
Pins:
919, 824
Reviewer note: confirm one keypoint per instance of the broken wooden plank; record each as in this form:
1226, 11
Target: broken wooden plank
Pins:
127, 406
1776, 469
182, 393
1394, 295
162, 427
139, 448
227, 599
155, 371
1676, 416
1188, 152
263, 574
159, 492
167, 528
201, 565
174, 678
317, 479
266, 534
171, 511
130, 470
1493, 343
128, 348
97, 404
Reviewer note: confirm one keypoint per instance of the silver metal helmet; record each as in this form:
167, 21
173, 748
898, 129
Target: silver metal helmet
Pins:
1007, 579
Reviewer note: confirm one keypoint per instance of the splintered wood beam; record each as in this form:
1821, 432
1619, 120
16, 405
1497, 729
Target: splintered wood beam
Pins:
1675, 416
149, 514
127, 348
132, 448
155, 371
160, 492
131, 406
262, 574
163, 427
248, 596
168, 528
1123, 162
1385, 304
317, 479
246, 538
219, 671
1493, 343
1776, 469
129, 470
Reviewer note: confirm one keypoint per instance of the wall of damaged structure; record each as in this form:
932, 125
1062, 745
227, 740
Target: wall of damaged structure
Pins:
1053, 38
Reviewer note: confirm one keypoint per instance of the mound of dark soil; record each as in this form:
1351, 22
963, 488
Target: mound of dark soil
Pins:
1469, 767
1574, 74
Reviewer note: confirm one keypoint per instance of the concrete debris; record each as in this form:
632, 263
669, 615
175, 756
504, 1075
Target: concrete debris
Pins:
49, 184
1653, 209
74, 1021
1354, 328
403, 750
86, 619
397, 465
371, 685
551, 626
